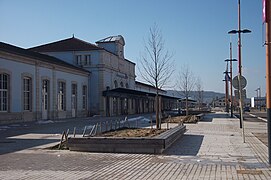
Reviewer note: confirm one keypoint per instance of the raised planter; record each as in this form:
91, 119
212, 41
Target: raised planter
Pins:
149, 145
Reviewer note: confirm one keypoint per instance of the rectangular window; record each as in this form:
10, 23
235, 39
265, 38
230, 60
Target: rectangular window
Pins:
62, 96
74, 96
4, 92
84, 93
27, 93
45, 94
87, 60
78, 59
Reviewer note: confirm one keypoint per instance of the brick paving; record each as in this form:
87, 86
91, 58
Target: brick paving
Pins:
211, 149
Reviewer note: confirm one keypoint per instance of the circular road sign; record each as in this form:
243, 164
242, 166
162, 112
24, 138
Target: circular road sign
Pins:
235, 82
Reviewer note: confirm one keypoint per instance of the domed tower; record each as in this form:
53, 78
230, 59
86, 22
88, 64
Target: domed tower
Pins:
113, 44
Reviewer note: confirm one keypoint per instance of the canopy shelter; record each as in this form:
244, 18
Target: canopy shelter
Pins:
120, 101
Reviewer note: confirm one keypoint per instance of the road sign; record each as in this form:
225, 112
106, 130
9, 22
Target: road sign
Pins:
235, 82
244, 94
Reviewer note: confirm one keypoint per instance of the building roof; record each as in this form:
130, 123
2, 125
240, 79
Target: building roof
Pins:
70, 44
128, 92
109, 39
149, 86
188, 100
31, 54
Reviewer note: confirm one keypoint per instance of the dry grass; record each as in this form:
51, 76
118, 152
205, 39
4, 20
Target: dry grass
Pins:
182, 119
147, 132
142, 132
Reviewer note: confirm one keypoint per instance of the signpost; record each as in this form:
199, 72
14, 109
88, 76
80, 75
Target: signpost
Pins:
244, 94
235, 82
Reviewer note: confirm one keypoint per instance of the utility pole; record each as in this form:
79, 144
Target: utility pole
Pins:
231, 104
240, 71
257, 99
266, 19
227, 88
260, 98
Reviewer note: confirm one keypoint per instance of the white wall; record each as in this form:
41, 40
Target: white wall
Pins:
16, 69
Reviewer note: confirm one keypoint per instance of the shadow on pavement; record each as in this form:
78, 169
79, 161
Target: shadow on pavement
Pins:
30, 135
20, 136
210, 116
187, 145
13, 145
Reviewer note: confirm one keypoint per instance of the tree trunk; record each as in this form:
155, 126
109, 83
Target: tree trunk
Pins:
186, 106
157, 111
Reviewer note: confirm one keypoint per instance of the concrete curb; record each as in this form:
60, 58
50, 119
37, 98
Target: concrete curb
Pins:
260, 118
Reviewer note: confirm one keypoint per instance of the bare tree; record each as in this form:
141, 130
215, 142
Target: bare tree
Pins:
186, 84
157, 65
199, 90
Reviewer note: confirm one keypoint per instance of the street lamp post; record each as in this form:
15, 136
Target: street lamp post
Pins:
266, 18
239, 31
227, 88
227, 60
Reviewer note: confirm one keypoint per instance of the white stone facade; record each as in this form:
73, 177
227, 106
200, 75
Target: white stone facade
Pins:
30, 87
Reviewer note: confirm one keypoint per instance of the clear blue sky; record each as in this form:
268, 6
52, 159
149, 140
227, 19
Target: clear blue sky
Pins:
195, 31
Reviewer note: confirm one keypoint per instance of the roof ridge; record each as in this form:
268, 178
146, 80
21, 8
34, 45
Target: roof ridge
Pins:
51, 43
69, 44
36, 55
87, 42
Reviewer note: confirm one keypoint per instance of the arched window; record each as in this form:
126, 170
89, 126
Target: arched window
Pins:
4, 92
121, 84
116, 84
127, 85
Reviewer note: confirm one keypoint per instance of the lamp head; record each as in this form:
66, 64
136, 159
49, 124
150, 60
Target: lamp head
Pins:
246, 31
233, 32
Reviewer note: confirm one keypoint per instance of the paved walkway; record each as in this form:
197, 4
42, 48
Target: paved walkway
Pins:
211, 149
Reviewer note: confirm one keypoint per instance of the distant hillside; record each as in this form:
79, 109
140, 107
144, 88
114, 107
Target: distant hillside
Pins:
208, 96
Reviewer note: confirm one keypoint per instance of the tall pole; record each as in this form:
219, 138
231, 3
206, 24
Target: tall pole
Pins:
268, 72
257, 99
227, 88
231, 104
231, 79
240, 71
260, 98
